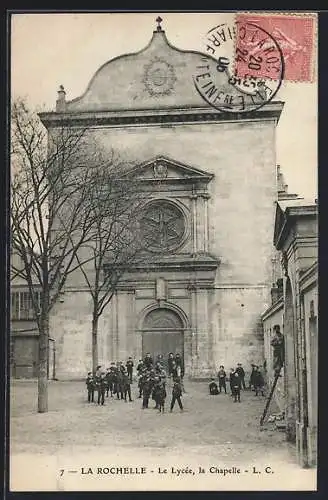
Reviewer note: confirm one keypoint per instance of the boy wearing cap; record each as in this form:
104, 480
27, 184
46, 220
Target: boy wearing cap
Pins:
222, 379
129, 368
90, 387
176, 393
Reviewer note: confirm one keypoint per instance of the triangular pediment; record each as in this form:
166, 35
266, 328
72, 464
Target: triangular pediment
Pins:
165, 169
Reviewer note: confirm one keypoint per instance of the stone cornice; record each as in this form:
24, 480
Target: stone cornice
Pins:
287, 221
176, 263
273, 309
170, 116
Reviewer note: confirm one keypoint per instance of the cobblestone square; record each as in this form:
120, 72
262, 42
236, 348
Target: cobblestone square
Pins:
212, 431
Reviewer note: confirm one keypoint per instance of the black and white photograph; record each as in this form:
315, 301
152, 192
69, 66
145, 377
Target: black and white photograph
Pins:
163, 251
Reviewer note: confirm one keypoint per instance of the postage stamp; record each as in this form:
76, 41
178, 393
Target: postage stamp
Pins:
230, 77
295, 36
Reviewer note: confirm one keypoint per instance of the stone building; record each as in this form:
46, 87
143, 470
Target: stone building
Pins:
212, 276
273, 315
296, 311
24, 333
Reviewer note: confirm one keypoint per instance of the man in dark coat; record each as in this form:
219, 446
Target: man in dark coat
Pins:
222, 379
241, 372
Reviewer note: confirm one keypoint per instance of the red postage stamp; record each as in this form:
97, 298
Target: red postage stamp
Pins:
293, 36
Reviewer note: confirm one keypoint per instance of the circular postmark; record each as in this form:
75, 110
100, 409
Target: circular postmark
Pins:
242, 68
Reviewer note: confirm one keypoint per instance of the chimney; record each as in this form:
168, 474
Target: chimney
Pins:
61, 101
276, 291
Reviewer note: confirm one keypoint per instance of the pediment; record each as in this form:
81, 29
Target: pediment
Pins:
165, 169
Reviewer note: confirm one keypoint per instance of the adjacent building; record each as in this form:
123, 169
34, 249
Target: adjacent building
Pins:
295, 309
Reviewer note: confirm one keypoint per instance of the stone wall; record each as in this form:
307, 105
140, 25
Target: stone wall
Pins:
240, 217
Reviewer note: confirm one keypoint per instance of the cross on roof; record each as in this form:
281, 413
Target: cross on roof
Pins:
159, 20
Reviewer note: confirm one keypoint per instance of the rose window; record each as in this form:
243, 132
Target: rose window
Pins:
163, 226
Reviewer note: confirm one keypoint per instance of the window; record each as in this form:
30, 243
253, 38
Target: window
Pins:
163, 226
22, 306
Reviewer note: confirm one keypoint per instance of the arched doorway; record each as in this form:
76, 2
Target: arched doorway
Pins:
162, 333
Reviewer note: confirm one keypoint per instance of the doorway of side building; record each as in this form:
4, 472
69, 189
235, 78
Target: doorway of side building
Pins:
162, 333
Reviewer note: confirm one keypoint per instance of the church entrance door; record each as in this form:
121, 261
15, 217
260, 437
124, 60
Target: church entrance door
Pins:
162, 333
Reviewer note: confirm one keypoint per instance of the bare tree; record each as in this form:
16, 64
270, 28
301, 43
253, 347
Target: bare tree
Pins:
50, 219
118, 243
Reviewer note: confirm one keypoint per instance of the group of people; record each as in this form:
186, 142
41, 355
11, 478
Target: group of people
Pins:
152, 376
152, 381
237, 381
116, 379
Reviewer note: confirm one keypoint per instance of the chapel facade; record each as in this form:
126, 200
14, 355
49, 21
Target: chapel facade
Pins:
213, 211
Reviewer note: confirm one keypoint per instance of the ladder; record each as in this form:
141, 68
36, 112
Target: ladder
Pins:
277, 375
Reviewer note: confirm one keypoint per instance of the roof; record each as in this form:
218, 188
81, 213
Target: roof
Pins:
159, 76
286, 211
286, 205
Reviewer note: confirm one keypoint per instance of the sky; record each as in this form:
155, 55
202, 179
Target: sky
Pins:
50, 49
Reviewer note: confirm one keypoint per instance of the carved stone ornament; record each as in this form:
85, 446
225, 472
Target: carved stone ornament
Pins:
159, 77
163, 226
160, 171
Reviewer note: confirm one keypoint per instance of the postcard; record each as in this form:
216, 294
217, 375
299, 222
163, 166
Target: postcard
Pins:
164, 280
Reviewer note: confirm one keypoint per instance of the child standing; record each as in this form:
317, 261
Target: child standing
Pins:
176, 393
222, 379
101, 386
258, 382
129, 368
90, 387
235, 384
146, 391
126, 381
161, 395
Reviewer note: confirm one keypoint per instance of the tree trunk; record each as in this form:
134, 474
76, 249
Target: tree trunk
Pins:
43, 364
94, 343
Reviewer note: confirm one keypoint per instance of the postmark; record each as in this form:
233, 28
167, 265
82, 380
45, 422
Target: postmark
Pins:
230, 77
295, 35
